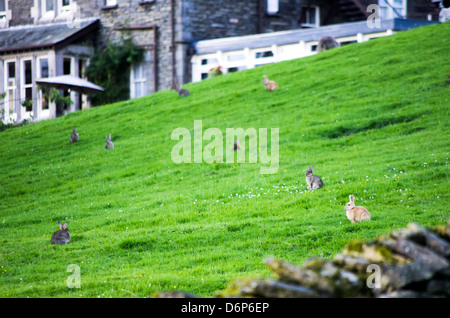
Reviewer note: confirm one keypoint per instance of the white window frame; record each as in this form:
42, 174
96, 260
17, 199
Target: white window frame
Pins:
3, 14
273, 6
64, 9
72, 64
23, 85
46, 13
390, 12
110, 3
141, 80
8, 116
43, 112
317, 17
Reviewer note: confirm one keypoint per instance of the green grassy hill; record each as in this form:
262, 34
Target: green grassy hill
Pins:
372, 118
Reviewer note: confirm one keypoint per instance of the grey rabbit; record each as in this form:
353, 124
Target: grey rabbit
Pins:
74, 137
62, 236
109, 143
313, 182
326, 43
236, 145
182, 92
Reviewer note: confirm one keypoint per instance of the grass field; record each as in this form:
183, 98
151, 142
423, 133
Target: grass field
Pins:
372, 118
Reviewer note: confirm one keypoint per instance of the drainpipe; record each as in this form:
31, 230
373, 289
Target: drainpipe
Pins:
260, 16
188, 68
172, 40
155, 58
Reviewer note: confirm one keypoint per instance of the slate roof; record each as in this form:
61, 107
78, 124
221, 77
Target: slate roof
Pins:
307, 35
31, 37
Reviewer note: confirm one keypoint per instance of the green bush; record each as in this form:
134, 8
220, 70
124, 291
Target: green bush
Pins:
110, 68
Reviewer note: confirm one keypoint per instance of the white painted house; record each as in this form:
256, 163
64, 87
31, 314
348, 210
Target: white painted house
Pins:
31, 52
245, 52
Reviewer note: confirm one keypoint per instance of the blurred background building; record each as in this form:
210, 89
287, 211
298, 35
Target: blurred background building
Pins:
182, 39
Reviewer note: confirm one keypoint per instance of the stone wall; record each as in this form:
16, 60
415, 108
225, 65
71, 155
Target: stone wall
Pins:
128, 17
209, 19
20, 12
412, 262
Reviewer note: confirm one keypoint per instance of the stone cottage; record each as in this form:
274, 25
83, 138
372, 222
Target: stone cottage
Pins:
47, 38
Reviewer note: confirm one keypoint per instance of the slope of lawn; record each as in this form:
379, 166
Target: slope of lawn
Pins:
372, 118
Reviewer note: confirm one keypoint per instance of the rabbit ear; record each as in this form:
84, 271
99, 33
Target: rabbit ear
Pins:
351, 197
109, 136
60, 225
312, 167
65, 226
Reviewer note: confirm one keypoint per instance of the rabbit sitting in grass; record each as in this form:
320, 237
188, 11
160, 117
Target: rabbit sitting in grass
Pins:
326, 43
313, 182
74, 137
182, 92
62, 236
269, 85
109, 143
236, 145
356, 213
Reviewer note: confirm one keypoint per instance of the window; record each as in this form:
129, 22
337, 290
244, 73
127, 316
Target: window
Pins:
110, 3
260, 55
138, 81
2, 9
391, 9
347, 42
27, 93
47, 8
67, 66
310, 16
209, 61
67, 70
10, 86
81, 68
44, 67
236, 69
235, 57
5, 14
272, 6
43, 73
64, 6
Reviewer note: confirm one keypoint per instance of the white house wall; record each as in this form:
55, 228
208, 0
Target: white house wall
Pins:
20, 113
227, 60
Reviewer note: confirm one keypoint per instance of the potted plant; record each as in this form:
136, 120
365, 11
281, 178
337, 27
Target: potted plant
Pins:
215, 71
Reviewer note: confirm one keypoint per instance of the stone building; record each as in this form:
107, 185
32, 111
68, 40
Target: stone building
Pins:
46, 38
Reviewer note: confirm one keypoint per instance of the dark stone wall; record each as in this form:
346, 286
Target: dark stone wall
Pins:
208, 19
20, 12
